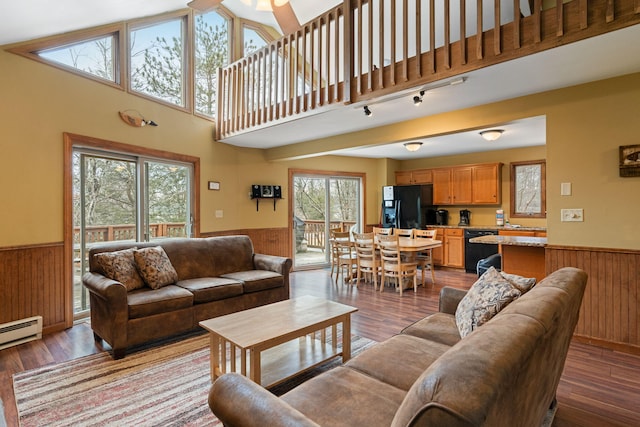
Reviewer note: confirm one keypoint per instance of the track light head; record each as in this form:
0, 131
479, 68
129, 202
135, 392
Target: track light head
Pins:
417, 100
367, 111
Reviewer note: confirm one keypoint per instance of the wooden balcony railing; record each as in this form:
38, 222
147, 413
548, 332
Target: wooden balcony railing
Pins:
363, 49
108, 233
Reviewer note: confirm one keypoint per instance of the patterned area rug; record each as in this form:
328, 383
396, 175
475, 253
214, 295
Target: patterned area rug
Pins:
162, 386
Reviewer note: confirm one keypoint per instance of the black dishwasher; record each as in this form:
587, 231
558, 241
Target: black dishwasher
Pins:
474, 252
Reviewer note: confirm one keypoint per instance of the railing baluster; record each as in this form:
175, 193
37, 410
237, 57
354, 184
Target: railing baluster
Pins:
311, 61
320, 54
537, 18
381, 45
345, 54
610, 11
370, 46
463, 31
393, 42
359, 49
497, 29
432, 35
405, 40
418, 38
479, 35
303, 58
447, 36
296, 75
327, 34
559, 18
516, 24
584, 15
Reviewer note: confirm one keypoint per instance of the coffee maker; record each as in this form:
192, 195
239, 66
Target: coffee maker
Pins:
465, 217
442, 217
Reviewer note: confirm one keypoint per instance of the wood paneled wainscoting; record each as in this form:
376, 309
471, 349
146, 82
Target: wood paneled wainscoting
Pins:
32, 284
610, 316
268, 241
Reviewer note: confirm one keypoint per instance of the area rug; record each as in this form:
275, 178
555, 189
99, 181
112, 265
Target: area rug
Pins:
163, 386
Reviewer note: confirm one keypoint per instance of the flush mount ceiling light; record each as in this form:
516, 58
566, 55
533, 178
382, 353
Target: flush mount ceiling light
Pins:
417, 100
265, 5
413, 145
261, 5
367, 111
491, 134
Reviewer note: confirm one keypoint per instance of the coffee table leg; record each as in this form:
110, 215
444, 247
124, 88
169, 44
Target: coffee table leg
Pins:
346, 338
214, 350
254, 362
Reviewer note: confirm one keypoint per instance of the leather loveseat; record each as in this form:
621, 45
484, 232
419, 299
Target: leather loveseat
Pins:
503, 373
213, 276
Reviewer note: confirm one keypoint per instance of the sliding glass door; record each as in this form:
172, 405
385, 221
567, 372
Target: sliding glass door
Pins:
320, 203
125, 198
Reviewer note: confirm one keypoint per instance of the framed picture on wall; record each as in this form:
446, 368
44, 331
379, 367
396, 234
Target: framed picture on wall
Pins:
630, 160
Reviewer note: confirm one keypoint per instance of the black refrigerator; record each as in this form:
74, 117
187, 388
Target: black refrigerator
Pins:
406, 206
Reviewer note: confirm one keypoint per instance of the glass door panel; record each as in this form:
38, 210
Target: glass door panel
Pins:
322, 203
167, 198
104, 209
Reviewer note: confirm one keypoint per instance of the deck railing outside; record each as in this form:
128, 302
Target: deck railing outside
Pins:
363, 49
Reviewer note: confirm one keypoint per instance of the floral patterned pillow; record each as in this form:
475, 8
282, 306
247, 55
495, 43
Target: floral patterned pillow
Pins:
155, 267
523, 284
490, 294
120, 266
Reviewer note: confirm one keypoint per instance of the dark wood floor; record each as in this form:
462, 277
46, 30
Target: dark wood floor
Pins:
599, 387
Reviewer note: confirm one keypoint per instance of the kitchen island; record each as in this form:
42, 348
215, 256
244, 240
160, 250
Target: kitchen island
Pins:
521, 255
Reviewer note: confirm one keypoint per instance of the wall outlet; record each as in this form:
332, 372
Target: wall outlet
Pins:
572, 215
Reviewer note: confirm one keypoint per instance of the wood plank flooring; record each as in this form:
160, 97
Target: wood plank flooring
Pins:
599, 387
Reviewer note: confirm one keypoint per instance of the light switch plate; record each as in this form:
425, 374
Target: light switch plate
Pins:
565, 189
219, 213
572, 215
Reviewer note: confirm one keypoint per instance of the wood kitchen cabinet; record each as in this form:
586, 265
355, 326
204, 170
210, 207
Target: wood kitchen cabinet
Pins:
418, 176
467, 185
451, 253
486, 183
525, 233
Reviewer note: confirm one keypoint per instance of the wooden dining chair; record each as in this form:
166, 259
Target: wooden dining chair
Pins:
394, 266
342, 254
425, 259
403, 232
367, 260
380, 230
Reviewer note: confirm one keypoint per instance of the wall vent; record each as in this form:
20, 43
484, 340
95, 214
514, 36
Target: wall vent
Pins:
20, 331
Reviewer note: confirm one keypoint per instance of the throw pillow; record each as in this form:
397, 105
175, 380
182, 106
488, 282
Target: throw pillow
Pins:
120, 266
523, 284
155, 267
488, 295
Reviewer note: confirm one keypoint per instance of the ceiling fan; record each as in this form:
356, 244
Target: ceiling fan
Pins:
261, 5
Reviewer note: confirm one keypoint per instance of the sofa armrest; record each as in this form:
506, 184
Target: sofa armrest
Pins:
238, 401
107, 289
274, 263
449, 299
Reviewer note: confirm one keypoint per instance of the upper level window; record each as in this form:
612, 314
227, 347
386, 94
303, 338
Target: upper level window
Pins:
95, 56
157, 60
212, 52
252, 41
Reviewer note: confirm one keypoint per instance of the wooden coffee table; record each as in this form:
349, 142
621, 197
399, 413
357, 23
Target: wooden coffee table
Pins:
273, 342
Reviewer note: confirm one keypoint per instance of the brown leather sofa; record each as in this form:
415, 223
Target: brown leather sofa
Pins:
504, 373
216, 276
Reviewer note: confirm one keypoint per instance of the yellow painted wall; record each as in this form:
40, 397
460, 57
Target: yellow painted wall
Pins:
585, 126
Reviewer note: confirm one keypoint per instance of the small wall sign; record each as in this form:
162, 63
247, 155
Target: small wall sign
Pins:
629, 160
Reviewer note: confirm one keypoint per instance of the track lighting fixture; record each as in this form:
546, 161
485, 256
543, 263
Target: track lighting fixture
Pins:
417, 100
367, 111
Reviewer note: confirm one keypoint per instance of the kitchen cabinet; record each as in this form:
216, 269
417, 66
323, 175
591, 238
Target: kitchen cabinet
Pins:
467, 185
487, 184
418, 176
451, 253
525, 233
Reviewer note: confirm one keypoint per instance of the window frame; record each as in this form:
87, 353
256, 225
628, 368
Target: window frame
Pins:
542, 189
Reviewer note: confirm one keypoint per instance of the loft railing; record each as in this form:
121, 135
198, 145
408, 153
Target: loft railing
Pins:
363, 49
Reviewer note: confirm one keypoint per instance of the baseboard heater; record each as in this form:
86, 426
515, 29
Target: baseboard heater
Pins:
20, 331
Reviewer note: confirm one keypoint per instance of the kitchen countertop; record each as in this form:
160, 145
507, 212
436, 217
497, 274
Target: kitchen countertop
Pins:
489, 227
511, 240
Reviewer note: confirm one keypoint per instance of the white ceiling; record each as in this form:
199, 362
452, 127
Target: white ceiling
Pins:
581, 62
